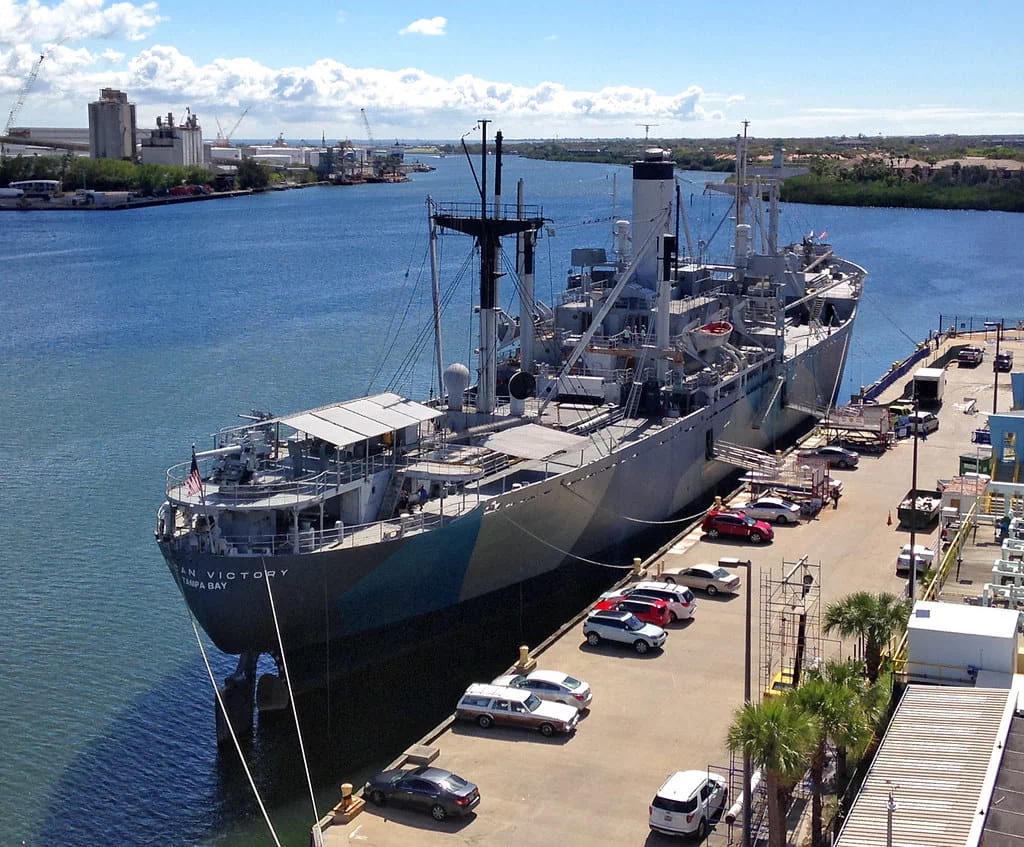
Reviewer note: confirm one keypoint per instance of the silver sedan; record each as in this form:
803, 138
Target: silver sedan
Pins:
709, 578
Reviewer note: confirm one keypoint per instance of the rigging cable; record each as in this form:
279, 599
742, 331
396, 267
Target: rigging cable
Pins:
291, 696
231, 728
564, 552
674, 521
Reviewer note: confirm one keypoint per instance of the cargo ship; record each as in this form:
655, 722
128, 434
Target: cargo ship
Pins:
588, 421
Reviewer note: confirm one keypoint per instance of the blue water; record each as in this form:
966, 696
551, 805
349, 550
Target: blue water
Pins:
124, 337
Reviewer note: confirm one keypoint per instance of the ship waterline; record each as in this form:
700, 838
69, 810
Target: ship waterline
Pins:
510, 538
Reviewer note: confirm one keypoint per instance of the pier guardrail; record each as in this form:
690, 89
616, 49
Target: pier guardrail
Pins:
898, 655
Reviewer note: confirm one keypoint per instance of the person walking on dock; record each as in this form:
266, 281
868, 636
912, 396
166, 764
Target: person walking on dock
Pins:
835, 498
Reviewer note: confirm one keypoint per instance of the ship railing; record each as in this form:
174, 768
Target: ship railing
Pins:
311, 539
317, 483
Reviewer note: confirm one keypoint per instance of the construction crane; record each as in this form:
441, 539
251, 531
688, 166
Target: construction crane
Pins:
23, 93
238, 123
647, 130
369, 132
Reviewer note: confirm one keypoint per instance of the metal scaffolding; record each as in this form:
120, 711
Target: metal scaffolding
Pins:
790, 624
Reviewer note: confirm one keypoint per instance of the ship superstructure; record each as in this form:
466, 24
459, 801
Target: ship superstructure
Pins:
589, 420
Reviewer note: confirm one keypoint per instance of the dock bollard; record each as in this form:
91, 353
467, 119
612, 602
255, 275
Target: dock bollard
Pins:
526, 662
637, 569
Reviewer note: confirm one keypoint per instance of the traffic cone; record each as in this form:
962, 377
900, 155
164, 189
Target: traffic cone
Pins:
889, 521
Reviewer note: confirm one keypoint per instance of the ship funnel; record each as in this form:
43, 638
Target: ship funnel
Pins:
456, 381
653, 188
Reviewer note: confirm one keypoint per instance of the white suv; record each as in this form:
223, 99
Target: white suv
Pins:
681, 602
625, 628
686, 802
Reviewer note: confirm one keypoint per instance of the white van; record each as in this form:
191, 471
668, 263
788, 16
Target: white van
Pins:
923, 422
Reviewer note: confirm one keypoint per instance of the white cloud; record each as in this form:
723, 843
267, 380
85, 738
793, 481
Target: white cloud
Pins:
329, 95
425, 26
30, 21
551, 38
340, 16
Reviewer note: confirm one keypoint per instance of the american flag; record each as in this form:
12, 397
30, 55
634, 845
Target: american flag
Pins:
195, 481
824, 234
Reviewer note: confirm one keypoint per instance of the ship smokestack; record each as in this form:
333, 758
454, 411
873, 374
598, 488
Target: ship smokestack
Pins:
653, 184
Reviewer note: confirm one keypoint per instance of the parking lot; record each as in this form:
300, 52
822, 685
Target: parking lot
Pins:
669, 710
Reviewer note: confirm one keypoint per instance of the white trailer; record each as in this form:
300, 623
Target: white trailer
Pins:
929, 386
951, 644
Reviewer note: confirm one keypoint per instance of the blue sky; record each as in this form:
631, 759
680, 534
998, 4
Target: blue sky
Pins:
565, 69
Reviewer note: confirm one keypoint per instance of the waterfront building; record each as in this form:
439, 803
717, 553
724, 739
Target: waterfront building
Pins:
112, 133
174, 144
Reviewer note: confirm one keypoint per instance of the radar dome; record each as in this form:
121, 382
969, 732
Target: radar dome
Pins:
456, 381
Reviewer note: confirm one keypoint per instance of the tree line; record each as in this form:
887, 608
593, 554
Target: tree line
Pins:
76, 172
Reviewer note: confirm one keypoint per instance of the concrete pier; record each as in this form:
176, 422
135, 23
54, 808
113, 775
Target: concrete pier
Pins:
669, 710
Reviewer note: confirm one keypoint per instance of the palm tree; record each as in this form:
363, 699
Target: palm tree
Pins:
874, 619
838, 715
777, 737
872, 699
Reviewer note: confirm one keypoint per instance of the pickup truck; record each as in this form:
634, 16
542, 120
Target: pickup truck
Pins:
970, 357
919, 508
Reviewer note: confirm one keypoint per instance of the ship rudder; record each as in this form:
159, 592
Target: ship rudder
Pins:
238, 695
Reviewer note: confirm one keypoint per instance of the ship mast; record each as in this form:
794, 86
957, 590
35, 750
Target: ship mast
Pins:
488, 232
742, 239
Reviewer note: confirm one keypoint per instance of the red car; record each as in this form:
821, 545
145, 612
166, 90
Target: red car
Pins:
646, 609
737, 524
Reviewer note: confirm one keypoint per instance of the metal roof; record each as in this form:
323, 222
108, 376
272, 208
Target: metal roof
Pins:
352, 421
939, 757
531, 441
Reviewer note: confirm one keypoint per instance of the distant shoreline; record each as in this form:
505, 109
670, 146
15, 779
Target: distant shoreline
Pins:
1004, 196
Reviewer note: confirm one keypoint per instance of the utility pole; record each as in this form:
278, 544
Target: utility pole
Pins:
647, 130
912, 583
998, 326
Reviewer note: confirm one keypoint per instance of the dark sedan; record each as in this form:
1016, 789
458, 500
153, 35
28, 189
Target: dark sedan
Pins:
838, 457
433, 790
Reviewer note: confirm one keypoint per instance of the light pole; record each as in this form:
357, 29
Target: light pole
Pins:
912, 584
890, 807
998, 326
748, 816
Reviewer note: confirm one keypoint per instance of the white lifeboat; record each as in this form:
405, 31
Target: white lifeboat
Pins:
714, 334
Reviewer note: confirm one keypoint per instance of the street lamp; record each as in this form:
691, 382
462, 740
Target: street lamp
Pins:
732, 562
912, 583
890, 807
998, 327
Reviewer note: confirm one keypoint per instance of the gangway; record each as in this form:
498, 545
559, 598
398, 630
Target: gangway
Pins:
748, 458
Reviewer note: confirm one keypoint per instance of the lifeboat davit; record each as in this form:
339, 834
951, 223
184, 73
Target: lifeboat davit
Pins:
714, 334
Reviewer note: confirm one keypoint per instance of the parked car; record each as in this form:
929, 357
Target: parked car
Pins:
624, 628
772, 510
970, 357
838, 457
686, 803
922, 422
551, 685
681, 602
736, 525
709, 578
427, 789
1003, 362
781, 682
647, 609
923, 558
496, 704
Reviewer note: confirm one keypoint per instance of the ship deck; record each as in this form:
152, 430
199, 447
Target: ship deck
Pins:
670, 711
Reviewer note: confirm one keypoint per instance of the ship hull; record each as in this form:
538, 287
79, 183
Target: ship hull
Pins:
524, 538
